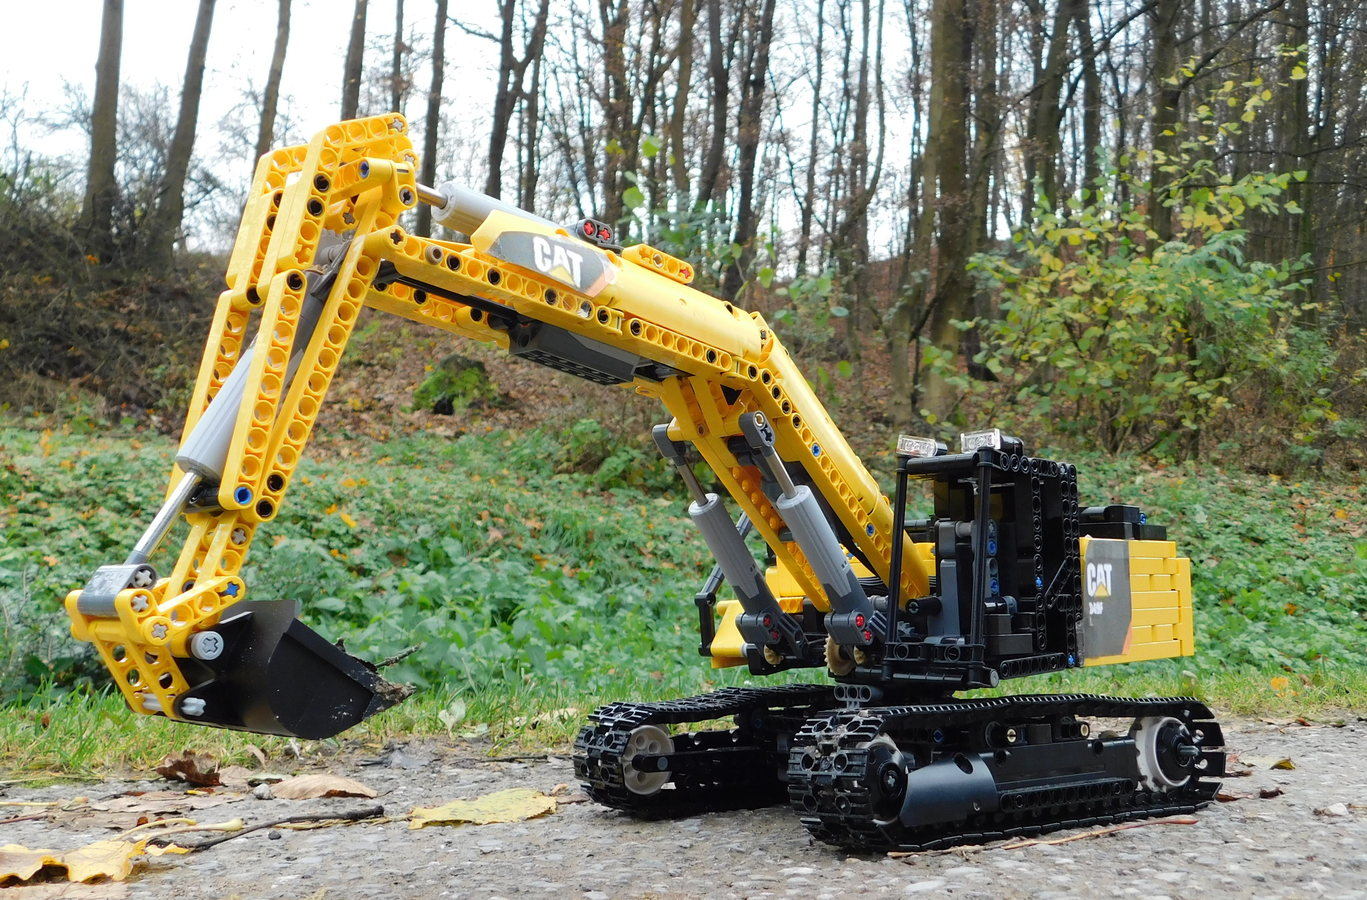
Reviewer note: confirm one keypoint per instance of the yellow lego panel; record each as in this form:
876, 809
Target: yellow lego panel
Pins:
1162, 632
1153, 599
1160, 582
1140, 653
726, 644
1140, 582
1155, 549
1161, 615
1146, 565
1140, 634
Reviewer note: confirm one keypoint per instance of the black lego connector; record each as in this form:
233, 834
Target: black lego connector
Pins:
599, 234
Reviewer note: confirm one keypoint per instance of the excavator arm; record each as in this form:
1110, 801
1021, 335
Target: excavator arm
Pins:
321, 236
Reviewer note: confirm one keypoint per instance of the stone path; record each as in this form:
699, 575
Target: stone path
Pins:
1279, 847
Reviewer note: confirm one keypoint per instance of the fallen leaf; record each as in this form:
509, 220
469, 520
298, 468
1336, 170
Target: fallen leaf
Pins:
190, 767
564, 714
106, 890
512, 805
1231, 796
1334, 811
234, 776
1269, 793
258, 753
102, 859
453, 714
163, 802
1267, 762
308, 787
1285, 764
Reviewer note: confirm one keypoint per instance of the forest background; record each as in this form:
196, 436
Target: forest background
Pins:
1131, 230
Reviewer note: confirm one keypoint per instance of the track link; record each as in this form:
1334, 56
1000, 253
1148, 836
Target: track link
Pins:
740, 768
843, 772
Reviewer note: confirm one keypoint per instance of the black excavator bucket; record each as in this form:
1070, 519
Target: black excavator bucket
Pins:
275, 675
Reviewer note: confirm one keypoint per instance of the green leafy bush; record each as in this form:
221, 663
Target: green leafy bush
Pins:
1124, 342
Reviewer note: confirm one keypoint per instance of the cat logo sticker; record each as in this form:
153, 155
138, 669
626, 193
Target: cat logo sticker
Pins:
572, 263
1106, 598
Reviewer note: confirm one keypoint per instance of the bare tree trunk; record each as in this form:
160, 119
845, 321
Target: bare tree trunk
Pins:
355, 54
511, 73
266, 136
913, 274
97, 212
531, 131
678, 148
1046, 116
396, 73
756, 86
950, 56
804, 241
1091, 94
719, 71
429, 149
1167, 95
171, 206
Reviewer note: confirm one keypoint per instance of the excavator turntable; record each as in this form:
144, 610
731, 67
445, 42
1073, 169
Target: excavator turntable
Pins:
1008, 576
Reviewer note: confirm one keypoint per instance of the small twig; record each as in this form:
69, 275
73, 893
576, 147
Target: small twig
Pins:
356, 815
398, 657
1020, 845
31, 818
166, 823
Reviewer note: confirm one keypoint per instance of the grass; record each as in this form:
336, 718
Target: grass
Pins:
543, 572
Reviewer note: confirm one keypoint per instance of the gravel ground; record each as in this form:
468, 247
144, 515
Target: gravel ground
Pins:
1285, 846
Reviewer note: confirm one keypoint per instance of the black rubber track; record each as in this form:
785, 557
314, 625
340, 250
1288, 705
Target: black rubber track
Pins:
766, 719
838, 808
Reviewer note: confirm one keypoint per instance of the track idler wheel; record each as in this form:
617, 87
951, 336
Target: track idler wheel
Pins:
1167, 752
269, 673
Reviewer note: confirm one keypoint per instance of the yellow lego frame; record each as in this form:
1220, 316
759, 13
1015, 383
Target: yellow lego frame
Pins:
358, 177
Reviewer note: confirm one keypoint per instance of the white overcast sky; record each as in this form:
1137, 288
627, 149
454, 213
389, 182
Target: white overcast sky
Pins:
57, 40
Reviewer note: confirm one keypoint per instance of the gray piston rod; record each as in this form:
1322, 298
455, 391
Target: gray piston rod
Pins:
735, 559
813, 533
464, 210
805, 519
205, 451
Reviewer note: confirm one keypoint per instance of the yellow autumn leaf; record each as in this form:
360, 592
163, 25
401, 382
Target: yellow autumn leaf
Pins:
330, 510
512, 805
111, 859
348, 482
1279, 683
1340, 514
351, 523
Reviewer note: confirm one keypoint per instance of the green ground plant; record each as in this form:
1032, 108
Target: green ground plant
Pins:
548, 590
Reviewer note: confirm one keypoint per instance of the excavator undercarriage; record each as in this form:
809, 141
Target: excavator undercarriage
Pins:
1008, 575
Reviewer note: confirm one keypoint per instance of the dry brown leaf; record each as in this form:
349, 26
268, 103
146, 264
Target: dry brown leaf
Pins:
1231, 796
258, 753
309, 787
503, 806
164, 802
105, 890
191, 767
234, 777
1269, 793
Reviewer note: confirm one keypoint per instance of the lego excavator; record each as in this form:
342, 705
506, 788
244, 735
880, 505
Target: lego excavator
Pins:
1009, 577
